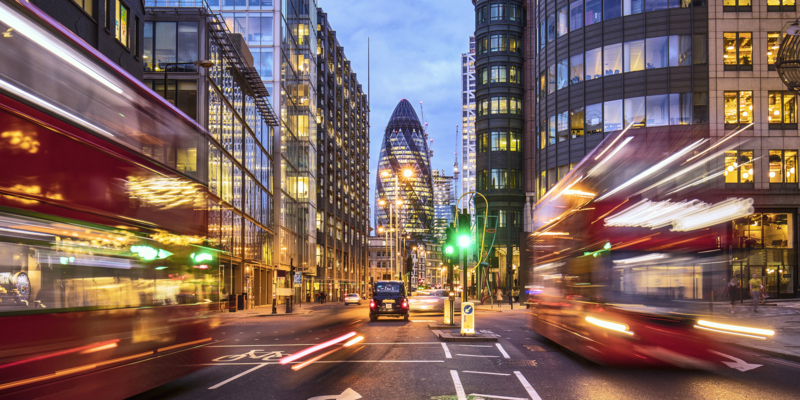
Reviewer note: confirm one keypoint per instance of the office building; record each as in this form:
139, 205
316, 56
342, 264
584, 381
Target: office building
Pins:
468, 120
444, 203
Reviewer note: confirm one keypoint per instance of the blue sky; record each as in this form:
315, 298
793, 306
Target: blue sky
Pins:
415, 53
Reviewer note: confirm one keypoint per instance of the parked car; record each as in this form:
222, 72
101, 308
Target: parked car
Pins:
352, 298
389, 298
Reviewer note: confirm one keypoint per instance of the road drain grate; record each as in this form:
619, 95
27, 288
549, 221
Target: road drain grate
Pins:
517, 363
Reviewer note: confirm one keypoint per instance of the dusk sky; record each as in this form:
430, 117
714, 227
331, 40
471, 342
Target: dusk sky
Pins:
415, 53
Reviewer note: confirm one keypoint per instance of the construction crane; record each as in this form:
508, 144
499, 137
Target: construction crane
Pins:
425, 129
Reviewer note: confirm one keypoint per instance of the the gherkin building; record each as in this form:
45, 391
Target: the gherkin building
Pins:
404, 173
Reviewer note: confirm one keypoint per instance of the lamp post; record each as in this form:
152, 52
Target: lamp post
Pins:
198, 63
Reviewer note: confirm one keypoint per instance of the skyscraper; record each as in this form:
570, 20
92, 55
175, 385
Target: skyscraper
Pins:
404, 174
444, 202
468, 119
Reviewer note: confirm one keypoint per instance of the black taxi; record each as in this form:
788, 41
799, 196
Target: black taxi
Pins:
388, 298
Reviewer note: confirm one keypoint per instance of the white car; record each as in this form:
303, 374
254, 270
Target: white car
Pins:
352, 298
432, 300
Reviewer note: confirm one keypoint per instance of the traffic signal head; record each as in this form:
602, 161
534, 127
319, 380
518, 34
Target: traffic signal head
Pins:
448, 249
464, 241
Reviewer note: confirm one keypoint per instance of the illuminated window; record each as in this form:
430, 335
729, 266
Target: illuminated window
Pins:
739, 167
483, 107
739, 107
552, 130
515, 141
594, 118
773, 44
594, 64
515, 106
576, 15
498, 74
562, 75
499, 141
563, 126
502, 218
498, 105
594, 11
737, 52
612, 120
634, 55
122, 19
612, 59
737, 5
543, 85
482, 45
551, 79
543, 134
576, 118
782, 110
563, 21
86, 5
551, 28
634, 112
514, 76
483, 143
497, 12
780, 5
498, 43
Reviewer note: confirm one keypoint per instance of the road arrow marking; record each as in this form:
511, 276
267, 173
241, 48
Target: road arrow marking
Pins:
348, 394
738, 363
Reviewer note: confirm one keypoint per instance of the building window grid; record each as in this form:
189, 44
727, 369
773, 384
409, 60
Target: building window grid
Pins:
783, 167
737, 51
782, 110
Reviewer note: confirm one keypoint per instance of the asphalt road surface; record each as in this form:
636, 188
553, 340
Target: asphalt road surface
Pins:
404, 360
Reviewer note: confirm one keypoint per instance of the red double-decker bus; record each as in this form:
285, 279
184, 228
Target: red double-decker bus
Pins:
106, 280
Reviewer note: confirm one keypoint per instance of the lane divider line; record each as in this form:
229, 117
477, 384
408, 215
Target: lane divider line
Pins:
446, 351
237, 376
502, 350
474, 355
486, 373
177, 346
527, 386
491, 396
459, 388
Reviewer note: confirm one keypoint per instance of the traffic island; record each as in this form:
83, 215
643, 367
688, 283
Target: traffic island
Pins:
455, 336
444, 326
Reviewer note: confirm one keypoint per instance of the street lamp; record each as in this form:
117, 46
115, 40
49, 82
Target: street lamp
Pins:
198, 63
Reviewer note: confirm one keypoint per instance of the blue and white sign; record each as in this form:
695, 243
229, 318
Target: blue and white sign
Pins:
468, 309
298, 278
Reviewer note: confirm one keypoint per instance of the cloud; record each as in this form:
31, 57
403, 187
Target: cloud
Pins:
415, 54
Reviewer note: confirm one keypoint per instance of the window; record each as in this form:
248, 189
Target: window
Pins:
514, 76
657, 52
514, 13
551, 28
630, 7
543, 85
576, 15
514, 141
481, 14
482, 183
680, 108
612, 9
563, 72
499, 141
259, 29
498, 43
612, 120
135, 37
563, 21
657, 110
502, 220
655, 5
86, 5
483, 143
552, 130
594, 11
739, 107
542, 33
483, 76
783, 166
170, 42
737, 53
498, 74
497, 12
773, 44
515, 106
551, 79
634, 112
576, 120
576, 69
594, 64
182, 94
680, 50
543, 134
612, 59
483, 107
122, 22
780, 5
634, 55
482, 45
514, 44
594, 118
498, 105
562, 127
499, 179
782, 110
737, 6
739, 166
699, 49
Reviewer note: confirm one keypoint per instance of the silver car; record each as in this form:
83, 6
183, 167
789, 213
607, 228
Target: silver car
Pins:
431, 300
352, 298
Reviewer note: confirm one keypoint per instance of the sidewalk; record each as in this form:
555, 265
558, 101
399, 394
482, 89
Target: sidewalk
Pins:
783, 318
266, 311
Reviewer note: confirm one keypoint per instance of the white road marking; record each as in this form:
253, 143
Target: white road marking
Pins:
737, 363
446, 351
348, 394
502, 350
314, 344
470, 345
473, 355
528, 387
491, 396
340, 361
238, 376
459, 389
483, 373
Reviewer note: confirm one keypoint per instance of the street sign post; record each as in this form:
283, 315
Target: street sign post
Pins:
467, 318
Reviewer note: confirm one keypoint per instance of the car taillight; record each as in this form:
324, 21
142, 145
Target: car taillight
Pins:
372, 304
405, 303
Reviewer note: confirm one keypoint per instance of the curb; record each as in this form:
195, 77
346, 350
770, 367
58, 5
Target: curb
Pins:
790, 357
456, 337
442, 326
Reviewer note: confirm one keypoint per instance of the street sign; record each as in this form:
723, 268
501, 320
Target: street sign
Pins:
467, 318
298, 278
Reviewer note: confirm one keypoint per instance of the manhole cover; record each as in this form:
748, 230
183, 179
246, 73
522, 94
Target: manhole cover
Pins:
517, 363
534, 347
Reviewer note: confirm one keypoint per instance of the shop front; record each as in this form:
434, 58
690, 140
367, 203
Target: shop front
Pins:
764, 244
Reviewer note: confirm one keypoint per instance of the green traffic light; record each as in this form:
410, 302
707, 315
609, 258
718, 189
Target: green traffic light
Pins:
448, 250
464, 241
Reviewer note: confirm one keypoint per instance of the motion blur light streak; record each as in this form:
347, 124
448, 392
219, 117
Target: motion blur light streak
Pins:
654, 169
720, 142
622, 328
39, 36
312, 349
610, 156
634, 260
614, 141
725, 211
736, 328
730, 333
354, 341
100, 348
313, 360
683, 216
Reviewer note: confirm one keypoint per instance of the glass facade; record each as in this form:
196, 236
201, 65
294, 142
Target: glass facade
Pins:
468, 148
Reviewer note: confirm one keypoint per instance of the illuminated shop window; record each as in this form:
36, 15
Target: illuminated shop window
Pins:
782, 166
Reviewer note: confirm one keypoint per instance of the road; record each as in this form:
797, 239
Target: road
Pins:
404, 360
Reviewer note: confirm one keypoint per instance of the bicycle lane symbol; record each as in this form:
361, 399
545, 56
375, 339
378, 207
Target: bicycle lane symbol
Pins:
260, 355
